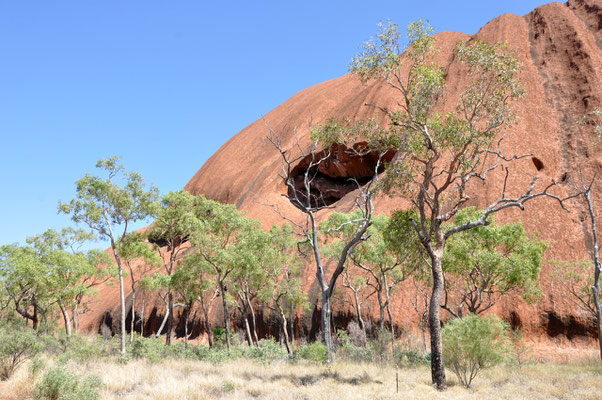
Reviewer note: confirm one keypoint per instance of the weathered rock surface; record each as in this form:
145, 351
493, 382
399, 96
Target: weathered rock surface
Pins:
560, 47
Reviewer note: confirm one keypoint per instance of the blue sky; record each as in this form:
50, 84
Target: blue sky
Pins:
165, 84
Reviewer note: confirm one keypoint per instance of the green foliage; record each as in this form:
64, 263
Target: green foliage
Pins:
473, 343
315, 351
267, 351
17, 345
82, 349
219, 336
150, 349
60, 384
489, 261
101, 203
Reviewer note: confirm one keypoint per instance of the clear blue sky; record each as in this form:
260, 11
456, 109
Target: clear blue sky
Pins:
165, 83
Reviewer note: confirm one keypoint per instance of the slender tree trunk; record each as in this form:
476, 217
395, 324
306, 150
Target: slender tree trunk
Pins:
66, 319
381, 307
165, 318
285, 329
254, 322
35, 322
597, 266
358, 311
188, 307
292, 323
326, 328
226, 313
169, 318
132, 326
122, 302
74, 319
248, 330
437, 366
142, 320
208, 325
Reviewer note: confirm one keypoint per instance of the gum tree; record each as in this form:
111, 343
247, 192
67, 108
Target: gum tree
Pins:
487, 262
197, 272
330, 141
176, 220
109, 208
140, 259
219, 241
440, 153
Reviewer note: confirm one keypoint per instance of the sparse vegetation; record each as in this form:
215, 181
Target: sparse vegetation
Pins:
473, 343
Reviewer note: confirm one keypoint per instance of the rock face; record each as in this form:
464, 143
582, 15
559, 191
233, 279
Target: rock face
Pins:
560, 47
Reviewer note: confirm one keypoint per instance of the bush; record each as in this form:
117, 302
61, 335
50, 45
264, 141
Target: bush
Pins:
214, 355
219, 337
267, 351
315, 351
60, 384
81, 349
151, 349
17, 345
473, 343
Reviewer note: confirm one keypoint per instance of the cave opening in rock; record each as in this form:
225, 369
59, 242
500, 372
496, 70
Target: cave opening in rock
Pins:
538, 163
341, 171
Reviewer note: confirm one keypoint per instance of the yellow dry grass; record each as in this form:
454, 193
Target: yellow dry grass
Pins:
243, 379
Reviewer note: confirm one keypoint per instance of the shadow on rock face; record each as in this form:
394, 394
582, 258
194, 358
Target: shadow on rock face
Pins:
341, 172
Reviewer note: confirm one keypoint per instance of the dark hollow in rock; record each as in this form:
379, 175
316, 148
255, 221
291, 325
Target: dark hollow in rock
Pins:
343, 171
538, 163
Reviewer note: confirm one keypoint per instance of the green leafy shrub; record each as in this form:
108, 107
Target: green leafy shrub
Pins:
267, 351
473, 343
219, 337
81, 349
151, 349
60, 384
349, 350
315, 351
17, 345
214, 355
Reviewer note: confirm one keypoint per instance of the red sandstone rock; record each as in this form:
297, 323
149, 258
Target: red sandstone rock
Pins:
560, 47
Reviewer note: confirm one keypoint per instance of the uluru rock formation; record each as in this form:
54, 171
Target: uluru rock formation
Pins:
560, 48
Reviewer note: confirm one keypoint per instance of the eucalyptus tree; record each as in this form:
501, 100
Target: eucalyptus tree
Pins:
487, 262
140, 259
255, 257
440, 153
109, 209
330, 141
283, 291
219, 241
71, 273
24, 277
594, 117
176, 220
199, 281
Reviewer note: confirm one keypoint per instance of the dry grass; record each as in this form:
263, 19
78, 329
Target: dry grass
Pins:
244, 379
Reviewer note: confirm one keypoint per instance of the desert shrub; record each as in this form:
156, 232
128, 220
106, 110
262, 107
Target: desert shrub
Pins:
350, 350
151, 349
60, 384
219, 337
380, 345
214, 355
473, 343
315, 351
267, 351
81, 349
17, 345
